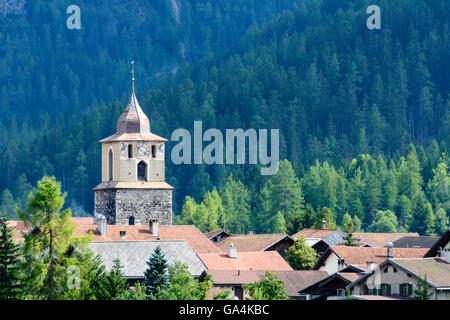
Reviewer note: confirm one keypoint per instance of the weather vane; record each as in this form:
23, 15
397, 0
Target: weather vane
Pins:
132, 73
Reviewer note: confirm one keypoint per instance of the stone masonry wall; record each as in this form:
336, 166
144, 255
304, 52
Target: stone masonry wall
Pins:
118, 205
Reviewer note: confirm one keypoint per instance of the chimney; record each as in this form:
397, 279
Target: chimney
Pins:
390, 249
232, 253
101, 224
122, 235
440, 253
324, 224
250, 232
154, 226
370, 266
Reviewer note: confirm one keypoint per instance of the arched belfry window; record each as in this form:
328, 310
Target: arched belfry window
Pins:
131, 221
153, 151
142, 171
110, 165
130, 151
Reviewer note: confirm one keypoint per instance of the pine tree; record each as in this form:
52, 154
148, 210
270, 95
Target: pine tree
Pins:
46, 247
278, 224
156, 274
115, 280
10, 286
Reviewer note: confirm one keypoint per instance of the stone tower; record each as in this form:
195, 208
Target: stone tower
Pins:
133, 190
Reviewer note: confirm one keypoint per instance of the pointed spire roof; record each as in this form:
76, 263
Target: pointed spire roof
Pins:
133, 124
133, 119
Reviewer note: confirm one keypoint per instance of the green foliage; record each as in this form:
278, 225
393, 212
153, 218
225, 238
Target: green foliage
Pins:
236, 204
208, 216
156, 277
10, 278
422, 292
268, 287
136, 293
47, 248
223, 295
183, 286
384, 222
115, 280
300, 256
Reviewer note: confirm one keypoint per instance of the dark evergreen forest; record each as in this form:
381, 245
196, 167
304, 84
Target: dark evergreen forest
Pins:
364, 115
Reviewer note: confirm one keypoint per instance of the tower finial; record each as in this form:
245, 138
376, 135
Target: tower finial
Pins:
132, 74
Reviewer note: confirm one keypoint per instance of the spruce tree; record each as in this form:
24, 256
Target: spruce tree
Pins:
115, 280
9, 258
156, 274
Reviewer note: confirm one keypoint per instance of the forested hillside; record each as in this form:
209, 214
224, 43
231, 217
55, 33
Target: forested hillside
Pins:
364, 115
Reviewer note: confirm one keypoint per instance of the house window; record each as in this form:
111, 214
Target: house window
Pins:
385, 289
131, 221
142, 171
153, 151
130, 151
405, 289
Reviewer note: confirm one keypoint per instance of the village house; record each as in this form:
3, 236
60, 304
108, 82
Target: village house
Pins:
415, 242
379, 240
442, 245
321, 239
338, 258
331, 286
233, 260
233, 280
134, 255
399, 277
257, 242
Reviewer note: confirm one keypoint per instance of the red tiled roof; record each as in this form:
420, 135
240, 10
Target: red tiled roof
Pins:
361, 255
196, 240
380, 239
19, 225
314, 233
261, 260
250, 242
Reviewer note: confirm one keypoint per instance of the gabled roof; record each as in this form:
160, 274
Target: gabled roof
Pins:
252, 242
294, 281
415, 242
441, 243
134, 255
361, 255
196, 239
261, 260
330, 236
436, 270
347, 277
379, 239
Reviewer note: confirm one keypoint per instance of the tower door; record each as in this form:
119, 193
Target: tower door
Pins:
142, 171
